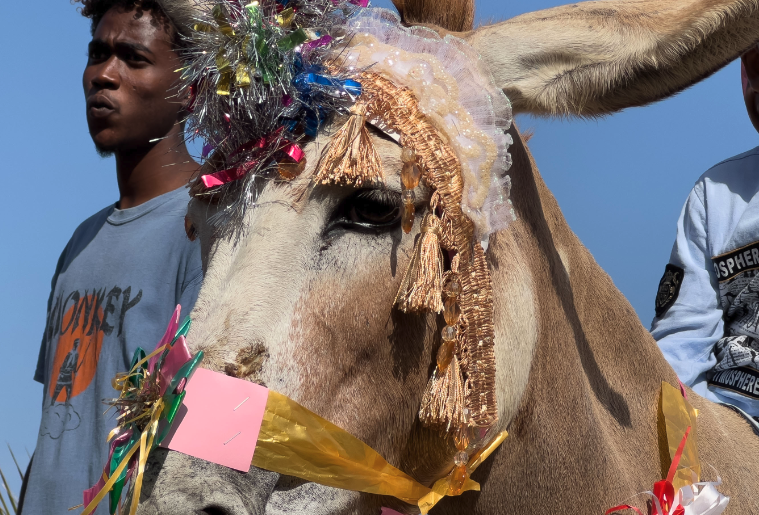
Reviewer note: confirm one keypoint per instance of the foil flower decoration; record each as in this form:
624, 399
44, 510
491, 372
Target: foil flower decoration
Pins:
681, 493
150, 395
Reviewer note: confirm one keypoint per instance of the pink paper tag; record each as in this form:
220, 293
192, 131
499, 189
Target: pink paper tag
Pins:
219, 419
388, 511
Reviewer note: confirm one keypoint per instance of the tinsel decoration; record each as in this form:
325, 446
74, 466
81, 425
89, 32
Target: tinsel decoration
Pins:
257, 72
350, 159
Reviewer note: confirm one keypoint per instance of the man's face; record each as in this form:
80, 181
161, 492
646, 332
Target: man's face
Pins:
751, 92
129, 75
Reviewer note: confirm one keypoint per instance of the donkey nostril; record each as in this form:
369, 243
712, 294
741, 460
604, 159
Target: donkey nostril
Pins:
214, 510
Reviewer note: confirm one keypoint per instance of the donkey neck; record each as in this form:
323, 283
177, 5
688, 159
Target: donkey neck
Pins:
594, 379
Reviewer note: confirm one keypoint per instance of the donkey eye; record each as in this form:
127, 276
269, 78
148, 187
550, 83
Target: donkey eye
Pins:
369, 209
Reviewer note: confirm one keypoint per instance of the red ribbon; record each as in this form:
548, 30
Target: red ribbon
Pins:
238, 172
663, 490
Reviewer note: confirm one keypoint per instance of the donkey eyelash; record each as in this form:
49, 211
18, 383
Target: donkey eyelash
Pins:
355, 212
384, 197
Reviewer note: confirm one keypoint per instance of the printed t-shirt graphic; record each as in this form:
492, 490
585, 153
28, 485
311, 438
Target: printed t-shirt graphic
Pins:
75, 362
737, 353
82, 321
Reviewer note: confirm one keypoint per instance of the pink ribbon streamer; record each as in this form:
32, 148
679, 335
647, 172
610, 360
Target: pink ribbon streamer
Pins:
230, 174
324, 40
238, 172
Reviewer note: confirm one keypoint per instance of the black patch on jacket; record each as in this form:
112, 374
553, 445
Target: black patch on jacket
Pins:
669, 288
735, 262
743, 380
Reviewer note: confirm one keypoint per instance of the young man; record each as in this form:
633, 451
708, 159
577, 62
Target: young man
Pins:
127, 267
707, 305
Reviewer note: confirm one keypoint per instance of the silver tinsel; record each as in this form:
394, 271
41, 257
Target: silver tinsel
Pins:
257, 80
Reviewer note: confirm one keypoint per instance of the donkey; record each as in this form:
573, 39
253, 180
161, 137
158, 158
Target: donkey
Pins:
303, 301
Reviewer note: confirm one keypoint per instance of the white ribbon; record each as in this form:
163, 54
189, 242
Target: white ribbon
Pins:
702, 498
697, 499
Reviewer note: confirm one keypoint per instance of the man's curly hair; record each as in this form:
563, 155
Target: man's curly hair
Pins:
96, 9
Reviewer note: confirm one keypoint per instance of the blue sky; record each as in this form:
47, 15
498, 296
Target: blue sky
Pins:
620, 181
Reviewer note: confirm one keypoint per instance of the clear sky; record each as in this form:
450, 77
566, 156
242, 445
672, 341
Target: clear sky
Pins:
620, 181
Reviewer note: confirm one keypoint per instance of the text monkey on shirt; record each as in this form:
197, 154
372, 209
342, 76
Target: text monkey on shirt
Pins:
707, 304
124, 270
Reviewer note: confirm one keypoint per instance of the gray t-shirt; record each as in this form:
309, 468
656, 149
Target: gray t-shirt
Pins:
115, 287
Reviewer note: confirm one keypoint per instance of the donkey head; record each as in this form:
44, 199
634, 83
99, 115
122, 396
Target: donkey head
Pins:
300, 297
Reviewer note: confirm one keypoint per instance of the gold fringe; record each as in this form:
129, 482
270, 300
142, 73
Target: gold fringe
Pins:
443, 400
441, 170
350, 159
477, 346
422, 285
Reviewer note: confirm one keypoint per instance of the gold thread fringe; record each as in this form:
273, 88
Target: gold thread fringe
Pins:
443, 400
478, 348
441, 171
350, 159
422, 285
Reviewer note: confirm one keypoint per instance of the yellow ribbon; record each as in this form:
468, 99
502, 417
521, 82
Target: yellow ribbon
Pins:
296, 442
678, 416
148, 435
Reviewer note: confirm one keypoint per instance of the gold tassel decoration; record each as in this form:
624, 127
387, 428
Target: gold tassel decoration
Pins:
443, 401
422, 285
351, 159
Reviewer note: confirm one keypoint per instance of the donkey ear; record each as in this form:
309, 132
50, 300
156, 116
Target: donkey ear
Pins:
450, 15
594, 58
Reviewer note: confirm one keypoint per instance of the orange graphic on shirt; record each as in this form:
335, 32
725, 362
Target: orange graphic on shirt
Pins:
76, 357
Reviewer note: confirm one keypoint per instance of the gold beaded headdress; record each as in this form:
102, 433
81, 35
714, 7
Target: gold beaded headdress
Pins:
461, 391
412, 97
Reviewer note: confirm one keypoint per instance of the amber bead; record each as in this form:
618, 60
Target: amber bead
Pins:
448, 333
410, 176
407, 219
458, 477
408, 155
453, 288
451, 311
445, 354
290, 171
461, 438
408, 196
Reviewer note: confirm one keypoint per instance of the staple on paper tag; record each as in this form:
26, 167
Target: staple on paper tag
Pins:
219, 420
